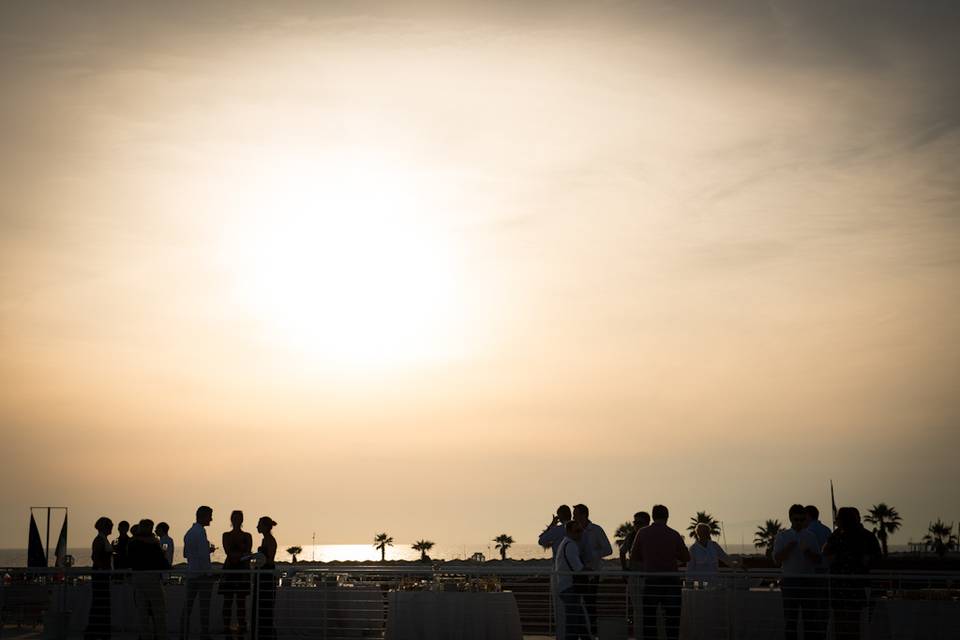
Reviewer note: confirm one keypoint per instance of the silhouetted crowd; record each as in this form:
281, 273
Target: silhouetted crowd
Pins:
147, 551
822, 570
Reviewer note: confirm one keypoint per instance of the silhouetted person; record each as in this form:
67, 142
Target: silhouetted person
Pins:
266, 581
120, 546
659, 549
235, 582
166, 542
555, 532
552, 536
566, 565
819, 529
797, 551
850, 550
594, 547
641, 519
99, 619
820, 584
706, 555
148, 561
197, 550
635, 583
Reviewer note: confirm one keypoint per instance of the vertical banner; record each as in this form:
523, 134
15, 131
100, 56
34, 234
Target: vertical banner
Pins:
61, 549
36, 557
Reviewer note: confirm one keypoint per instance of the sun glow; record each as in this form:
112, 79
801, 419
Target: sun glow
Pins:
343, 261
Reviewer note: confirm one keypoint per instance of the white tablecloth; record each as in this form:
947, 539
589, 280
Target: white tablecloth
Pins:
299, 610
423, 615
756, 615
743, 615
915, 619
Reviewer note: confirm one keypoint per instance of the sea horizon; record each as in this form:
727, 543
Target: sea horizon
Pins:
367, 553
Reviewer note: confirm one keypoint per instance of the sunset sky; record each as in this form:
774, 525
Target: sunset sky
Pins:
435, 268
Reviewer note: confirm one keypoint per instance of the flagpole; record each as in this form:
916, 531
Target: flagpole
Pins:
47, 548
833, 505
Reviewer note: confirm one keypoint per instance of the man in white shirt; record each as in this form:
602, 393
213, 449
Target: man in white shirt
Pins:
572, 623
551, 537
797, 551
820, 587
594, 547
819, 529
706, 556
197, 550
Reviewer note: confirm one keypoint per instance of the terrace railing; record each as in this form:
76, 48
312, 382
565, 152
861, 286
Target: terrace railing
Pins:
448, 600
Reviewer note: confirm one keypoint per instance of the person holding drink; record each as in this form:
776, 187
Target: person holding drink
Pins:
197, 550
235, 583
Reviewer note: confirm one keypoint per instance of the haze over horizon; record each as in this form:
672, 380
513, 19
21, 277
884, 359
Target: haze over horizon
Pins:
435, 268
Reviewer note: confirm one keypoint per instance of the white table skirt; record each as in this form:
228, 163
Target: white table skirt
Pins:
299, 610
424, 615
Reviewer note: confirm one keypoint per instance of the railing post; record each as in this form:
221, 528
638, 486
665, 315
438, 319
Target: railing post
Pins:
255, 614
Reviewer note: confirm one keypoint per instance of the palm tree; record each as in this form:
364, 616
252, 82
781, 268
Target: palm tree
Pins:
422, 546
765, 534
707, 519
504, 542
294, 551
624, 534
940, 538
380, 542
885, 521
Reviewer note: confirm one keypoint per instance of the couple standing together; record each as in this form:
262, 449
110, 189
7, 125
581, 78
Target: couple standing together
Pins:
578, 545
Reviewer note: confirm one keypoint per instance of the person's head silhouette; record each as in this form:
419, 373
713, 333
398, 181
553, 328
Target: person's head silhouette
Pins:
581, 513
266, 524
702, 532
104, 525
798, 516
123, 527
236, 519
145, 528
163, 528
204, 515
660, 513
848, 518
641, 519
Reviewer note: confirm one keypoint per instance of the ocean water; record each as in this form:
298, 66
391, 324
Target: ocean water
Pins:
366, 553
328, 553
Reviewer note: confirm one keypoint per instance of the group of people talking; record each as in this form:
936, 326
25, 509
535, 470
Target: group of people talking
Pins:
807, 552
148, 551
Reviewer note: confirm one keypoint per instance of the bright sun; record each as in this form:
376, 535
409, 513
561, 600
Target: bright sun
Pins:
342, 261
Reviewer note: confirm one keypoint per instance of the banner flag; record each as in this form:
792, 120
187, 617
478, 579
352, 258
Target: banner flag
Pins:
61, 552
36, 557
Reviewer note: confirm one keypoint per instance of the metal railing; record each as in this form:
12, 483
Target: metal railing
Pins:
452, 600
